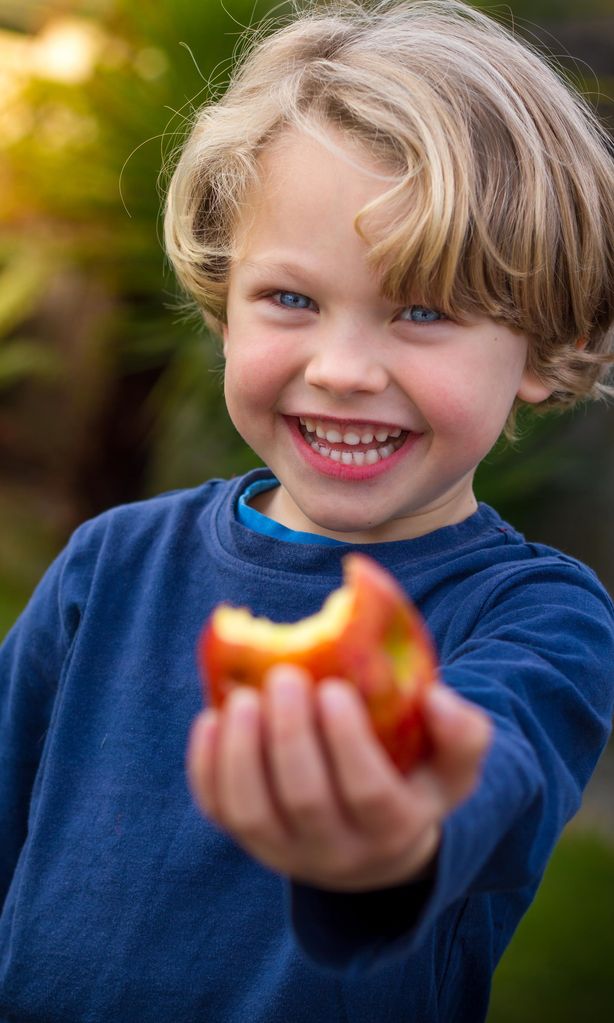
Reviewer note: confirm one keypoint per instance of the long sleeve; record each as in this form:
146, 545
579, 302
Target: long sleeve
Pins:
32, 660
539, 660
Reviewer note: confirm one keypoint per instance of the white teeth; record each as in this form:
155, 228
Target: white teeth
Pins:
351, 435
369, 457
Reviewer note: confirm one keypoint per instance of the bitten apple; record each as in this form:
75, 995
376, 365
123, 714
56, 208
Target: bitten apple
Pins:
368, 632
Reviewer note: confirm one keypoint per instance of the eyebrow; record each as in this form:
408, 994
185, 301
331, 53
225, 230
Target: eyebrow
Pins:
272, 266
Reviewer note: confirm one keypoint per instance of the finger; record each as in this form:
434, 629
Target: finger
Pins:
244, 799
461, 733
369, 785
200, 758
298, 767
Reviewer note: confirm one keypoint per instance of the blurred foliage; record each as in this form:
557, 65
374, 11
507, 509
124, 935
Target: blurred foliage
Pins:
107, 391
110, 389
559, 964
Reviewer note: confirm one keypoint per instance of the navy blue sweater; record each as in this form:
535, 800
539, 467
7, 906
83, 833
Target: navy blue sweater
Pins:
122, 903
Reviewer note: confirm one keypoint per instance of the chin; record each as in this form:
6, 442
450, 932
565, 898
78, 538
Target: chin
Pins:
340, 524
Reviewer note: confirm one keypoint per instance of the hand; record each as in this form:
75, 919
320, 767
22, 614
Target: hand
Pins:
296, 775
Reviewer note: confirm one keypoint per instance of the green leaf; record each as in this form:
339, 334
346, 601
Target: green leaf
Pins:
22, 283
24, 358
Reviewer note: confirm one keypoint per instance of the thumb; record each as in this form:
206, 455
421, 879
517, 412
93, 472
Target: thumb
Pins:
461, 734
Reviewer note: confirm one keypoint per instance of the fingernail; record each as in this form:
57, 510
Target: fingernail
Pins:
244, 703
287, 671
286, 685
204, 728
335, 697
208, 724
444, 701
201, 739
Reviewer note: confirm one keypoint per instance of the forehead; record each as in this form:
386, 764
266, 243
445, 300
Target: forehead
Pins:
295, 144
311, 185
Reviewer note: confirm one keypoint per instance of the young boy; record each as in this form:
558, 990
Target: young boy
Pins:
400, 222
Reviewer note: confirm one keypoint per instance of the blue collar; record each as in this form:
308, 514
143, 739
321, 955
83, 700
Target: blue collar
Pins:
253, 519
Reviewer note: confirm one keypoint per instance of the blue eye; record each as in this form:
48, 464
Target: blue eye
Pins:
422, 314
292, 300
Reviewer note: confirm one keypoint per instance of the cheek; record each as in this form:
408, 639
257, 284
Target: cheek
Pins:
450, 405
249, 366
254, 375
480, 388
243, 396
470, 409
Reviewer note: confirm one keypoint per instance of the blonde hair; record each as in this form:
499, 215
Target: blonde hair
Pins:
501, 199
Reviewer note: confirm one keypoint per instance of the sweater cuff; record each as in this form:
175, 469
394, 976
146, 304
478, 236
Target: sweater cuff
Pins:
358, 932
341, 930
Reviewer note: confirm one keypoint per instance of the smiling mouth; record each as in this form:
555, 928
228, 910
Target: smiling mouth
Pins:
352, 445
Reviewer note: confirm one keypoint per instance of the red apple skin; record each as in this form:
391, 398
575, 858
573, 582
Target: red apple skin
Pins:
360, 653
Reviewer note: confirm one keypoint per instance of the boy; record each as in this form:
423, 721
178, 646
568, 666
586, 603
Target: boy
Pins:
399, 221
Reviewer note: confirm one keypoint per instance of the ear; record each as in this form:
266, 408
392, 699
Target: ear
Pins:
532, 390
224, 338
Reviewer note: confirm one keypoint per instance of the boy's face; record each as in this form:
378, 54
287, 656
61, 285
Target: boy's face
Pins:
403, 403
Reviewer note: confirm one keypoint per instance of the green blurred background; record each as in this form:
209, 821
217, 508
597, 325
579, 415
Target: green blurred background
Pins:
110, 390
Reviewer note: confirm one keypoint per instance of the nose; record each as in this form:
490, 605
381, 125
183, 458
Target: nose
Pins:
345, 363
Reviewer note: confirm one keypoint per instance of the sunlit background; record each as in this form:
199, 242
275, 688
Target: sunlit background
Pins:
110, 390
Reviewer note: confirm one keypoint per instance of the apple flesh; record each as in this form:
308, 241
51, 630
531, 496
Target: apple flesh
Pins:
368, 632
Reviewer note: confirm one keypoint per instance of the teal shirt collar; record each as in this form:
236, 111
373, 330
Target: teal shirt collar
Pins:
253, 519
